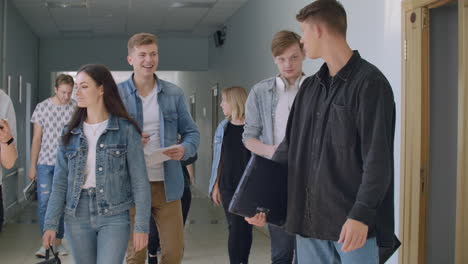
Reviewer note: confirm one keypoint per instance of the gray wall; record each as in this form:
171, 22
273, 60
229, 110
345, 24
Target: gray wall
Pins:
183, 54
443, 135
194, 83
21, 58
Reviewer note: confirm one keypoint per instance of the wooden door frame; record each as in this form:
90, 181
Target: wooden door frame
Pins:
461, 231
415, 132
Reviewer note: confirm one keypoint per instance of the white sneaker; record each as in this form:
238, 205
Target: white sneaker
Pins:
41, 253
62, 250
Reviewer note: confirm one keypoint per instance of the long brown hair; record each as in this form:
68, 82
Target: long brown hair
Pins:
112, 101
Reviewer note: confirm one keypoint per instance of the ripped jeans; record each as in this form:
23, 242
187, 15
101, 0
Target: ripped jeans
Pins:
45, 175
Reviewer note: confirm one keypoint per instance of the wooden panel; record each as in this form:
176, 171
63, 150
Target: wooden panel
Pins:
413, 4
414, 157
461, 247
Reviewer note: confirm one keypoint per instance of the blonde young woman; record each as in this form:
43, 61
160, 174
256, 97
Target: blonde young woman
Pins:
230, 160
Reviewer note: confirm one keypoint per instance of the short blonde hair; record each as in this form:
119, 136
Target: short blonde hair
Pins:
140, 39
236, 97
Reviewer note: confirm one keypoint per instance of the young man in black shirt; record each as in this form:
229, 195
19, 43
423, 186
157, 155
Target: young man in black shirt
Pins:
339, 149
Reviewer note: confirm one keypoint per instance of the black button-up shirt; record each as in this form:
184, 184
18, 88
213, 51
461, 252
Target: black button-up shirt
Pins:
339, 150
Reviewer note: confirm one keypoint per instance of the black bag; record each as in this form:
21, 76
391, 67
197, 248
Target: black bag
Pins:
48, 260
263, 188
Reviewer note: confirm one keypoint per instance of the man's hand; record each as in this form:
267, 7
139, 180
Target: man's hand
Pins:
353, 235
176, 153
32, 174
5, 132
48, 238
272, 150
216, 195
258, 220
140, 241
145, 138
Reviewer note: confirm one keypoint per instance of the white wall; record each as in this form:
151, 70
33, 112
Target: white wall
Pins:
374, 28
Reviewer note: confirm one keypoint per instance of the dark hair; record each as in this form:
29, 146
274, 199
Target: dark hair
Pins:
112, 101
64, 79
284, 39
331, 12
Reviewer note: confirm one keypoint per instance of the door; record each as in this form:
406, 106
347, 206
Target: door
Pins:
434, 158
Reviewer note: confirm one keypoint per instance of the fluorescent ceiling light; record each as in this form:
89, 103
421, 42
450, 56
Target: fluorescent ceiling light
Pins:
192, 5
66, 4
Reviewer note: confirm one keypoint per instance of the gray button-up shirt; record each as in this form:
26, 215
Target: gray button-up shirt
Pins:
261, 110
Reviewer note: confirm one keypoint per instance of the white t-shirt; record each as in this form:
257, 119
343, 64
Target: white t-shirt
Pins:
51, 118
286, 94
92, 133
152, 128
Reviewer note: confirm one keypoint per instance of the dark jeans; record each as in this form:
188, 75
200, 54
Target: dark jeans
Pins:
153, 242
1, 207
282, 245
240, 232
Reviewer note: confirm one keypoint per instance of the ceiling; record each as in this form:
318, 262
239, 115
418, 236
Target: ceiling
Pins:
104, 18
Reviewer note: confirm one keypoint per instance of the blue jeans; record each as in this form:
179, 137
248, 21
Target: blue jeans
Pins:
282, 245
45, 175
311, 250
96, 238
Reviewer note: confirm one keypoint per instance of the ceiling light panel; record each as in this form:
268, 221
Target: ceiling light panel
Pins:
66, 4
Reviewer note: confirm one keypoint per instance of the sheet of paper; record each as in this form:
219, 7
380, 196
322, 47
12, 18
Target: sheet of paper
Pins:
157, 156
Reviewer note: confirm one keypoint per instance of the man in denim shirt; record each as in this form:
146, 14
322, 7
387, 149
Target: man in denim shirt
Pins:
267, 111
160, 110
339, 150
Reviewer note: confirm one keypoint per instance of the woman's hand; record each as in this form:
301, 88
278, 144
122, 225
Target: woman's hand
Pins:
48, 238
140, 241
216, 195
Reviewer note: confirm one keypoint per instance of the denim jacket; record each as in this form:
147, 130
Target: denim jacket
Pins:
260, 108
217, 146
174, 119
121, 177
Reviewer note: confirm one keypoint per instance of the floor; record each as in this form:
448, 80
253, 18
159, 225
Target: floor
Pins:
205, 238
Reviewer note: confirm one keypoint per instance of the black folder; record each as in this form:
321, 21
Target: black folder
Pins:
263, 188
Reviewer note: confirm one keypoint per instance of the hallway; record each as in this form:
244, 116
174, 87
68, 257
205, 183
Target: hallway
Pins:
205, 238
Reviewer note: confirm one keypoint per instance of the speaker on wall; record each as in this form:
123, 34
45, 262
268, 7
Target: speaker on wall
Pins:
219, 37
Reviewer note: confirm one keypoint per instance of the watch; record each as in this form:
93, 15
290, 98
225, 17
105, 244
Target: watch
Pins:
10, 141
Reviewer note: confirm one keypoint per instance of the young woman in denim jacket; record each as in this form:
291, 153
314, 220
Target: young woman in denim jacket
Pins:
100, 174
230, 160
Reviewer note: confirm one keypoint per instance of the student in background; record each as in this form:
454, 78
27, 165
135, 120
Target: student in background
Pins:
267, 112
49, 118
230, 159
